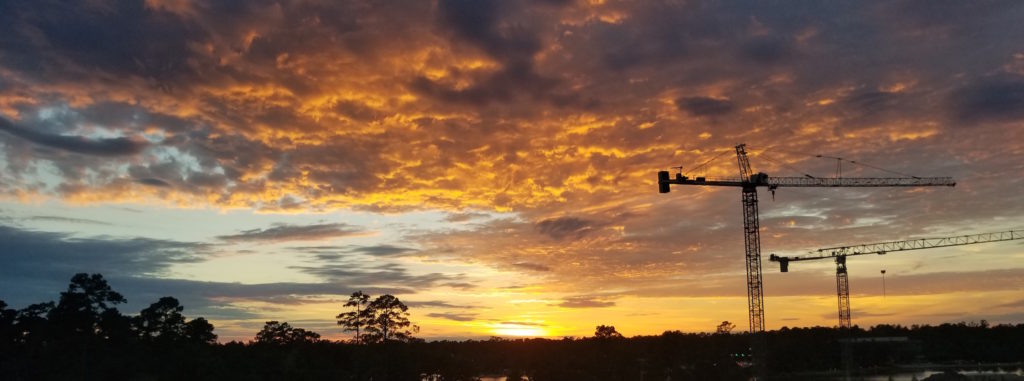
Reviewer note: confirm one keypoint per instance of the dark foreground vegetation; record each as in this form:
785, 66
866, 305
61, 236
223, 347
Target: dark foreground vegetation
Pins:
83, 337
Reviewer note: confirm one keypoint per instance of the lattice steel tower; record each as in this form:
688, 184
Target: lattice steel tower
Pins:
749, 182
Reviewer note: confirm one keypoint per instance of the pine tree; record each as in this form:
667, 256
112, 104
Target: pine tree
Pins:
387, 319
354, 320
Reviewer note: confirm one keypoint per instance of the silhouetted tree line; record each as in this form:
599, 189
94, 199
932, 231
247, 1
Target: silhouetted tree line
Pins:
84, 337
817, 348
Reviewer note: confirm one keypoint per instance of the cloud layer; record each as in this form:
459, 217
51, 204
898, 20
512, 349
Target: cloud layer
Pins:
482, 104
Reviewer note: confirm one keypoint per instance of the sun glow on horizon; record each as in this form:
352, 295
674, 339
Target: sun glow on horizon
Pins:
520, 330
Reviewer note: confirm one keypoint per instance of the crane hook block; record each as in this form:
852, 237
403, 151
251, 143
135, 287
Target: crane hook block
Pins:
663, 182
783, 262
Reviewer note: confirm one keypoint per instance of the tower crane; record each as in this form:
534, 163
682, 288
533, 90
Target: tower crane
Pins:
840, 253
749, 182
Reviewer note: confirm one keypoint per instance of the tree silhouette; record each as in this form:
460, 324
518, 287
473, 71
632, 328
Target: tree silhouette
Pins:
161, 321
274, 332
199, 330
725, 328
6, 315
83, 306
114, 326
387, 319
6, 324
354, 320
606, 332
30, 322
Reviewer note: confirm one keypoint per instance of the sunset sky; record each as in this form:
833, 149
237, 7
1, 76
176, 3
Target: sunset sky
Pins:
493, 163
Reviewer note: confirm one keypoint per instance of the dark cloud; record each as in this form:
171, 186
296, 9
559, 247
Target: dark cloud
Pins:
285, 232
511, 83
946, 16
765, 50
585, 302
497, 28
126, 38
663, 34
860, 313
990, 99
531, 266
1016, 304
122, 115
382, 250
358, 111
479, 22
453, 316
705, 106
151, 181
324, 253
332, 253
176, 174
216, 298
873, 101
524, 323
460, 285
28, 252
463, 217
39, 263
360, 274
566, 227
77, 144
67, 220
437, 304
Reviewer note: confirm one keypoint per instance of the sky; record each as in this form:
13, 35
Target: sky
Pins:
493, 163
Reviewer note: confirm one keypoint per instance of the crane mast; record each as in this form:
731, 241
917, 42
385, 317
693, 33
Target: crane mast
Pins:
752, 242
843, 290
749, 182
839, 254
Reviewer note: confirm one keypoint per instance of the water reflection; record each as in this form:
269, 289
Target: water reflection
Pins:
923, 374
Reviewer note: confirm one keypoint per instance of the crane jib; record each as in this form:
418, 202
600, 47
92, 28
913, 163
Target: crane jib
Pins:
763, 180
894, 246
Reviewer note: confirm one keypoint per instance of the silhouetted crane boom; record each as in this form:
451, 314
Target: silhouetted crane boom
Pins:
839, 253
764, 180
913, 244
860, 182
